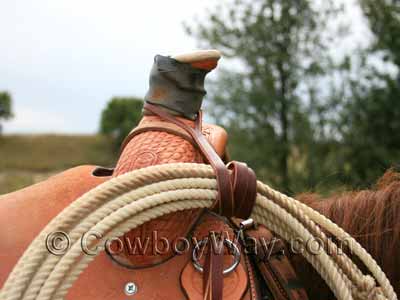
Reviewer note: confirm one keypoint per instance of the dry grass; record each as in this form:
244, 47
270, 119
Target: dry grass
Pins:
26, 159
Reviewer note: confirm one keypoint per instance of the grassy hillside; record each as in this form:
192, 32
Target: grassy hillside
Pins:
26, 159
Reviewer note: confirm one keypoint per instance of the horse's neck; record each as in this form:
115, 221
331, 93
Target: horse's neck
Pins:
372, 217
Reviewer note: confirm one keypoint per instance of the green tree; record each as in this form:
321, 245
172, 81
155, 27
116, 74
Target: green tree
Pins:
281, 54
5, 107
383, 17
371, 139
370, 119
120, 116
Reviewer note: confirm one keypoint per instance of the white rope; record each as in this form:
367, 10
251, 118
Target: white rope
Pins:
125, 202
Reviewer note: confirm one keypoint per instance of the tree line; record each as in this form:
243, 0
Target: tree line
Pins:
303, 115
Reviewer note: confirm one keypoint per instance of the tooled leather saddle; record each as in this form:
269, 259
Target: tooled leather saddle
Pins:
175, 256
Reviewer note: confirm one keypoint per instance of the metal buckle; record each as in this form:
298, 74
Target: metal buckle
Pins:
246, 224
229, 244
243, 226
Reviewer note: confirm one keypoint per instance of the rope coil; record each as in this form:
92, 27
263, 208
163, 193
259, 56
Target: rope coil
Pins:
125, 202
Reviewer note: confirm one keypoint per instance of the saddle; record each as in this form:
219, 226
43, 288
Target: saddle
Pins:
174, 256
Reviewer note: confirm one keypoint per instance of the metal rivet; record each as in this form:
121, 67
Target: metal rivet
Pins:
130, 289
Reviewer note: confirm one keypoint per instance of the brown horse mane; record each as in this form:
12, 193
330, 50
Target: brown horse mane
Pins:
372, 217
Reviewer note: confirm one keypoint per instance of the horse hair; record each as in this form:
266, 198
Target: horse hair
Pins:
372, 217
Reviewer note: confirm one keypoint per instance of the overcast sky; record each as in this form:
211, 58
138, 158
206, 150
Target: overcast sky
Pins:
62, 60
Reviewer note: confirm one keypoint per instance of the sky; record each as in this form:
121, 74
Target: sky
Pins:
62, 60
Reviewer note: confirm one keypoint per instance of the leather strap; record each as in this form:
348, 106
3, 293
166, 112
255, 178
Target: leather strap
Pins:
236, 189
236, 196
213, 279
244, 183
225, 201
274, 266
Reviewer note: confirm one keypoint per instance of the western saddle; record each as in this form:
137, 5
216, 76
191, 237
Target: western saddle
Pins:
149, 262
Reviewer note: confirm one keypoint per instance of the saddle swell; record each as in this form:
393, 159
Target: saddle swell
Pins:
153, 142
156, 141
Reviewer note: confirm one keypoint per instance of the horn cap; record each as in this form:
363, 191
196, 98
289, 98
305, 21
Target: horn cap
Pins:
177, 83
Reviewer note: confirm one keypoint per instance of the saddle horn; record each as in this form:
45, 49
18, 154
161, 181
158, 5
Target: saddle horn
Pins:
177, 83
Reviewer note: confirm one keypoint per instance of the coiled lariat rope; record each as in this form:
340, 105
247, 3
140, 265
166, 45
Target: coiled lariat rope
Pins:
125, 202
